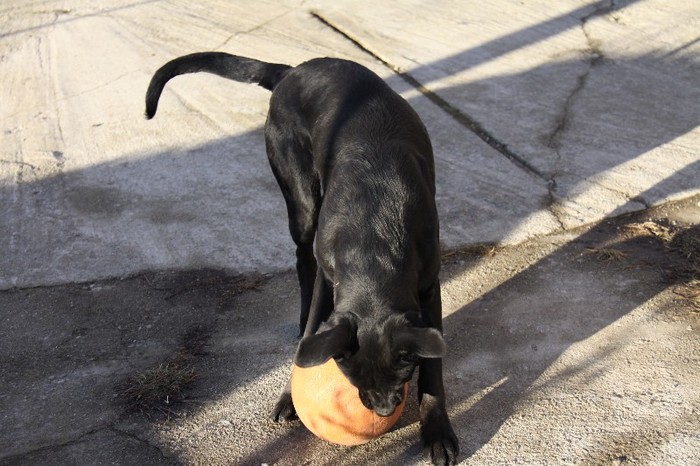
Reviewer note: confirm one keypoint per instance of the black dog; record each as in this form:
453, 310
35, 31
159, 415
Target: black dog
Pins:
355, 166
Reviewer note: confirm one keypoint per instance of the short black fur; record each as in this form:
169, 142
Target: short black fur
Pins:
355, 165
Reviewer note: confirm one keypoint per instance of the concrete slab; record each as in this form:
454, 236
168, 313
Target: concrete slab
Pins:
594, 96
95, 191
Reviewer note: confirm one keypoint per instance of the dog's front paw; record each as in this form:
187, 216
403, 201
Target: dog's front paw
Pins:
284, 409
440, 444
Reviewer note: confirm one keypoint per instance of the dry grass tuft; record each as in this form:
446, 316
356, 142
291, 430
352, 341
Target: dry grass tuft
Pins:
690, 292
475, 250
158, 387
650, 228
607, 254
239, 285
687, 244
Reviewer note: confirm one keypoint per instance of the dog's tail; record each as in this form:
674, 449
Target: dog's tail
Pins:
242, 69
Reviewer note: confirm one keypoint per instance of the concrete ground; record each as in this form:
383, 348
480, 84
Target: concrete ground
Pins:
147, 305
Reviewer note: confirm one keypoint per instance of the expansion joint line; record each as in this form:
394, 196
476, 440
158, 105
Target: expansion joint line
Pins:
456, 114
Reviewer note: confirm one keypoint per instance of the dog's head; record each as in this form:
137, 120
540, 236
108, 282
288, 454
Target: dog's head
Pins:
378, 357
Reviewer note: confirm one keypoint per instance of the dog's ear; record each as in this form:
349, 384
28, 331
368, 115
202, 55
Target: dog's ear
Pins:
421, 342
340, 340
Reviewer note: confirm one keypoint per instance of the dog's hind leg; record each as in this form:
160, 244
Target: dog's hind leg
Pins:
292, 166
306, 272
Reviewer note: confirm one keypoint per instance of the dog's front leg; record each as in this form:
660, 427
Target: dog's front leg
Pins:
321, 307
284, 408
440, 444
306, 272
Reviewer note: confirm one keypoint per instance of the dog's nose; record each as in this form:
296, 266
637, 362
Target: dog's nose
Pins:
385, 411
383, 405
389, 407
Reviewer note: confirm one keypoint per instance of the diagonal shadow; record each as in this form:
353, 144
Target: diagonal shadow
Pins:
509, 337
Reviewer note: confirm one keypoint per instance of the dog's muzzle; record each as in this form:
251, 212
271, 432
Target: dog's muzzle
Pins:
382, 404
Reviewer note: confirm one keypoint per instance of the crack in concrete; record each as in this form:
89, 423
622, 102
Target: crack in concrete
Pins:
83, 438
564, 120
460, 117
21, 164
79, 439
553, 205
639, 199
250, 30
554, 140
142, 441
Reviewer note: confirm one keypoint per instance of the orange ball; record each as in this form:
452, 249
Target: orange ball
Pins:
330, 406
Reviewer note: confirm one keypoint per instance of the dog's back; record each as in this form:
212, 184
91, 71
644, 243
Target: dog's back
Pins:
343, 106
375, 163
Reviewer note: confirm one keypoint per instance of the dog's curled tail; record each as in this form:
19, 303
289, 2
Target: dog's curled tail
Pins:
242, 69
